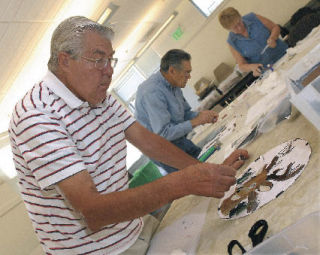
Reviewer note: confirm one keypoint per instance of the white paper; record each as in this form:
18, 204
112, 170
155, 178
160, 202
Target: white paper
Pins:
182, 234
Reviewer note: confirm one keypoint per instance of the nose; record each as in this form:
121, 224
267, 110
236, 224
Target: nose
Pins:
108, 70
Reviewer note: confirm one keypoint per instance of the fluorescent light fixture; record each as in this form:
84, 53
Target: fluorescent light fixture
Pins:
165, 24
104, 16
107, 14
146, 46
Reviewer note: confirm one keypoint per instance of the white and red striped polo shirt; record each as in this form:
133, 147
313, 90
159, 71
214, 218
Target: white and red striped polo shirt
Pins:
55, 135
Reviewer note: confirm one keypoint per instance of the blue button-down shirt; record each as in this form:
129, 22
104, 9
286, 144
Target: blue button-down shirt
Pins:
251, 47
162, 109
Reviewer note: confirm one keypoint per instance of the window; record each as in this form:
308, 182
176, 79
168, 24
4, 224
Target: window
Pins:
6, 164
206, 7
128, 84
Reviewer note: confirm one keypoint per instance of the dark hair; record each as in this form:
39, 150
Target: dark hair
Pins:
173, 58
300, 14
303, 27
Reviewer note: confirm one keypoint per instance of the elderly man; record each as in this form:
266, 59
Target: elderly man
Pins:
68, 140
162, 108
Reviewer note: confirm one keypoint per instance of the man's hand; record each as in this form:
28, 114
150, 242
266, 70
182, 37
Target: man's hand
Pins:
237, 158
208, 179
207, 116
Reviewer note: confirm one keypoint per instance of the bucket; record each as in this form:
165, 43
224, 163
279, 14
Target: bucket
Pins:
145, 174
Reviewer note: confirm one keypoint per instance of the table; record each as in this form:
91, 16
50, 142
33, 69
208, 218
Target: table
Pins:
228, 89
192, 223
236, 90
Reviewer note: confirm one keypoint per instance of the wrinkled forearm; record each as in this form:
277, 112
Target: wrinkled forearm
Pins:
99, 210
132, 203
166, 152
158, 148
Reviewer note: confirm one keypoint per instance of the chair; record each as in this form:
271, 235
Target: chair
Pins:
222, 71
145, 174
203, 88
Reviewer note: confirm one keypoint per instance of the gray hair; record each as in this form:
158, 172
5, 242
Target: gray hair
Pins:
68, 37
174, 58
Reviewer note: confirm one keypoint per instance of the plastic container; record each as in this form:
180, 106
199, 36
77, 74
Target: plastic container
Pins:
305, 64
147, 173
277, 114
307, 101
302, 237
303, 82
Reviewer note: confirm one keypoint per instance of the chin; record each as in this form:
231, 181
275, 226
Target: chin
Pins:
97, 101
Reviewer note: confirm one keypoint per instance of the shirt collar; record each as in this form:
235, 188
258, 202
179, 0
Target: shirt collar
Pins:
247, 24
56, 86
166, 83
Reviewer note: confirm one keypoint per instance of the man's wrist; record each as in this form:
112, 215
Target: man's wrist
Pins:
194, 122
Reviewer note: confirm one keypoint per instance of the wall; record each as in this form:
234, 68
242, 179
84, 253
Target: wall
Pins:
205, 39
16, 236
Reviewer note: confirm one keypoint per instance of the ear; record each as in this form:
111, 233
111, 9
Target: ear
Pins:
64, 61
171, 70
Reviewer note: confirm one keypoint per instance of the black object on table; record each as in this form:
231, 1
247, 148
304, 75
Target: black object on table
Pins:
256, 234
236, 90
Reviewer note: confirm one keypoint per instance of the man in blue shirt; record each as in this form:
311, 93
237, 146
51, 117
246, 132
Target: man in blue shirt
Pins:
161, 107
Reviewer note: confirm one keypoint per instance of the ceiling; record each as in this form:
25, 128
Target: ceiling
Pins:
24, 24
139, 20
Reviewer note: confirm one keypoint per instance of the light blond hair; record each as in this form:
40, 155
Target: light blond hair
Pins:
228, 17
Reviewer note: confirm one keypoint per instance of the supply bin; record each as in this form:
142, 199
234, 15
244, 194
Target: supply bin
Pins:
145, 174
302, 237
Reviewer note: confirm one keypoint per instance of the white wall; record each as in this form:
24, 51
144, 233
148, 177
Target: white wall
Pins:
16, 233
205, 39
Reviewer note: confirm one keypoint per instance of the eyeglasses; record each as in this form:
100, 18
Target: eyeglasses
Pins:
102, 62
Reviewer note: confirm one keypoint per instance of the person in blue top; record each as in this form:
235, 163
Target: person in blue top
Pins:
253, 40
161, 107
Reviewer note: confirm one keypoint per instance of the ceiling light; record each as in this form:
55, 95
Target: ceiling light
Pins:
104, 16
165, 24
145, 47
108, 13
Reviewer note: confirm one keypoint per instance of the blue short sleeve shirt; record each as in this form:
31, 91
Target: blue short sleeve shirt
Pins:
251, 47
